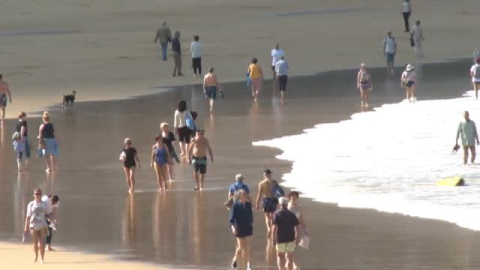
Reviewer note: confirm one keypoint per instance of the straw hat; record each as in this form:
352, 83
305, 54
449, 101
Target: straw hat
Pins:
410, 67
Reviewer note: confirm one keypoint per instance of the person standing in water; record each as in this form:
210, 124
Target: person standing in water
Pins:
241, 223
181, 128
467, 131
256, 77
409, 81
48, 142
177, 55
160, 160
168, 139
269, 202
196, 50
364, 84
164, 36
4, 92
21, 144
406, 11
53, 203
389, 50
276, 54
210, 87
36, 223
281, 70
130, 160
197, 155
417, 35
475, 74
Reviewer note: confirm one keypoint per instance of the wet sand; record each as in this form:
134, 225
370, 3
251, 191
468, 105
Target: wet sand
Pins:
189, 229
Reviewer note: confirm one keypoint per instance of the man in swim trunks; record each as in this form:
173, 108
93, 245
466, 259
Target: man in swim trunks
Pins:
210, 87
197, 155
4, 92
468, 133
269, 202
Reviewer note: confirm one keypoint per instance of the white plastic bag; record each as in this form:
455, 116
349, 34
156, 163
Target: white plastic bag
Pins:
305, 242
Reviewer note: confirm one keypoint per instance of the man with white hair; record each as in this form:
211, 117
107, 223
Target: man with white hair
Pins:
286, 228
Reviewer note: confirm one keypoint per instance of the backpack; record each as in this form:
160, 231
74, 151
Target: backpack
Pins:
277, 191
189, 121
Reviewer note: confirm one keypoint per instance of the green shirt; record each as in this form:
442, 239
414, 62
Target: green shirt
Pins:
467, 131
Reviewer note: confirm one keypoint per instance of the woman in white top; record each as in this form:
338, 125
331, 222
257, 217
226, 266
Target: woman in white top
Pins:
406, 11
36, 223
475, 74
294, 207
364, 84
180, 125
409, 81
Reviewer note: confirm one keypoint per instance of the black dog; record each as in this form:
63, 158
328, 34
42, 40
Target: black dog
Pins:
69, 99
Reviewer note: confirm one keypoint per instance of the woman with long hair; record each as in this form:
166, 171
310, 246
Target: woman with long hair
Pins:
48, 143
182, 115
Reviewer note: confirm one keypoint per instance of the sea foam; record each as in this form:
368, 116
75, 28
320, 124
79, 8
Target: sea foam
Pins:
389, 159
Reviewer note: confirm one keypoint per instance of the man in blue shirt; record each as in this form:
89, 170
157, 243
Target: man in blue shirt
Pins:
238, 185
177, 55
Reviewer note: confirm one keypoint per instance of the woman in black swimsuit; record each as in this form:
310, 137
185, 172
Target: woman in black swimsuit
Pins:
130, 160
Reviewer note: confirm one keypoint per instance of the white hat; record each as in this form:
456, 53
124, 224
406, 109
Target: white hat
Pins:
410, 67
239, 177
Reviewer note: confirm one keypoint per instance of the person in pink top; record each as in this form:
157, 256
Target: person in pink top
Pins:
210, 87
4, 92
409, 81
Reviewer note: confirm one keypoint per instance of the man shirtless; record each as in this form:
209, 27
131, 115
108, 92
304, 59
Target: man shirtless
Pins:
4, 92
269, 202
197, 154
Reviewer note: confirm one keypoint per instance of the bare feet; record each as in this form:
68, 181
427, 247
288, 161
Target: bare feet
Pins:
50, 249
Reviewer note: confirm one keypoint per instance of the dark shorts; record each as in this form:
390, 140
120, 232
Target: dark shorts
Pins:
270, 205
184, 134
3, 100
282, 82
211, 92
200, 164
390, 57
244, 231
129, 165
410, 83
273, 68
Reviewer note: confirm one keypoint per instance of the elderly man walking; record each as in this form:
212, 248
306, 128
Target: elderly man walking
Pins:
177, 55
164, 35
467, 131
286, 228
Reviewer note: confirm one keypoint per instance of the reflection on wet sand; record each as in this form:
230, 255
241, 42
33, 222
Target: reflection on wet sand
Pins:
129, 224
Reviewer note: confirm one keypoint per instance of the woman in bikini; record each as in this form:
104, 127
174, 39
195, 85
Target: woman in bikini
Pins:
364, 84
160, 160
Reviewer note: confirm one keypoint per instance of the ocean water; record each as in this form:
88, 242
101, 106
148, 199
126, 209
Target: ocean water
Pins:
389, 159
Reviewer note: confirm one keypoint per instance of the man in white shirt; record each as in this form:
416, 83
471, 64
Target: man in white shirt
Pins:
281, 69
276, 54
417, 35
475, 74
389, 50
196, 50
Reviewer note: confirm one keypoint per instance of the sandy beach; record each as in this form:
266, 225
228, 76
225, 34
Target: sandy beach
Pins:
104, 50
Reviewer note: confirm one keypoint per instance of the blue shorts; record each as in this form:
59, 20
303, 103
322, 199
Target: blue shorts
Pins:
51, 147
390, 57
211, 92
3, 100
410, 83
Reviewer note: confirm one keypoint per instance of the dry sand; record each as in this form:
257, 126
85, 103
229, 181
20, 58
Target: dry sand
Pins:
104, 49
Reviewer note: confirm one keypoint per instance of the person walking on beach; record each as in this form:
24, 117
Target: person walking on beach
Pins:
53, 203
276, 54
196, 50
281, 70
389, 50
48, 143
210, 87
256, 77
20, 143
269, 202
164, 35
294, 207
286, 232
36, 224
4, 92
417, 35
409, 81
182, 114
168, 139
475, 74
406, 11
364, 84
238, 185
160, 160
467, 131
197, 155
177, 55
130, 160
241, 223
